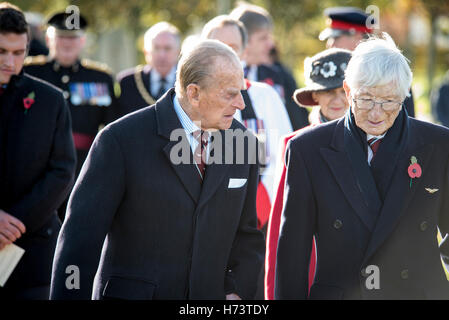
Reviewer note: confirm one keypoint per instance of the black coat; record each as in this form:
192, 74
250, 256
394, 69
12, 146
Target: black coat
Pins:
166, 236
37, 166
324, 198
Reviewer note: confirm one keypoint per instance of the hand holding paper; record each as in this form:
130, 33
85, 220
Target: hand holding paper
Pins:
9, 258
11, 229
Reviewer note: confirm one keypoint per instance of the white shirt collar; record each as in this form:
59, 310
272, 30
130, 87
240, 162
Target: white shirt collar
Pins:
369, 136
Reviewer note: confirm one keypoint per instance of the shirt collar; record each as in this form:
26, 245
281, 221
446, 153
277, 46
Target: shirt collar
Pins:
155, 76
188, 125
369, 136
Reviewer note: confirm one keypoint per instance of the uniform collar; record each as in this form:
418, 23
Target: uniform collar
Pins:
74, 67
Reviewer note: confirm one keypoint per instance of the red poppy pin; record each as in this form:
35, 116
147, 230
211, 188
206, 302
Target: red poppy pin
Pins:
414, 169
269, 81
28, 101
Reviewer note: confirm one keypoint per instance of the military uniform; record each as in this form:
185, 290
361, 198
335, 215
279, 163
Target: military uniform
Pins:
88, 88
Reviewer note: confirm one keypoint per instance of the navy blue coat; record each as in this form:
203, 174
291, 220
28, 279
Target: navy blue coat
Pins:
324, 198
167, 236
37, 168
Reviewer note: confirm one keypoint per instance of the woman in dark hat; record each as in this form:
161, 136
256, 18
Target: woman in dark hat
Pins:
324, 75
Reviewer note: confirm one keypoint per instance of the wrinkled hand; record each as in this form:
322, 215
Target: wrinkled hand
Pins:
11, 229
233, 296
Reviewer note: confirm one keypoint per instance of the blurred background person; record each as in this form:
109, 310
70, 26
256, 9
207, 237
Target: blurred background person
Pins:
258, 63
440, 101
324, 74
37, 45
347, 27
87, 86
142, 85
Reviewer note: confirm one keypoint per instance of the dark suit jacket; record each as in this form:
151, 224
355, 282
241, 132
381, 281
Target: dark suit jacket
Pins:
166, 236
37, 167
324, 198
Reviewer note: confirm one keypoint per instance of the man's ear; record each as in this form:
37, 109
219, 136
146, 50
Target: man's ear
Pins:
347, 91
83, 40
193, 94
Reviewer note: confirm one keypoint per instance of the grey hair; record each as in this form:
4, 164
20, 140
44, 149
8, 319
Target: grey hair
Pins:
158, 28
224, 21
377, 62
197, 65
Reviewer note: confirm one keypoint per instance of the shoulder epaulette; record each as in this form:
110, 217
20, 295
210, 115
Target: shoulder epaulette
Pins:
94, 65
35, 60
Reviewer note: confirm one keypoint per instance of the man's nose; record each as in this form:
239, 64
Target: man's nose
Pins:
9, 60
240, 103
377, 110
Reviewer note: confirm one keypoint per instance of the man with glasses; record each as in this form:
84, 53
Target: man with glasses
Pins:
372, 188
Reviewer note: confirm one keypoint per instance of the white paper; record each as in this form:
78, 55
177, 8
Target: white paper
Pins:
236, 183
10, 256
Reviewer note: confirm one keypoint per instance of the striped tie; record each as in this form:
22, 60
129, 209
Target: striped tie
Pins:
199, 155
374, 145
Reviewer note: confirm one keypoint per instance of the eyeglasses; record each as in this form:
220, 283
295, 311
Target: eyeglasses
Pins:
368, 104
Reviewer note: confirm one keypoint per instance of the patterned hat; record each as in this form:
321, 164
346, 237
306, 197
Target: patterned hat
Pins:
324, 71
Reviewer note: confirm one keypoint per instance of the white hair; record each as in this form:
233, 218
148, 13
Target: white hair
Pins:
158, 28
377, 62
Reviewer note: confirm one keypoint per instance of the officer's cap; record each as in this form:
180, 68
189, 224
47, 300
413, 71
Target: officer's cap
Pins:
68, 24
345, 20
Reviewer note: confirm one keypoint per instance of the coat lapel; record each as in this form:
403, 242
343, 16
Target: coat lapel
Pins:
348, 177
167, 121
400, 193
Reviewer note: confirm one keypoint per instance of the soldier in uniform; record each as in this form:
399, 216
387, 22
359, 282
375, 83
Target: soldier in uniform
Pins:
87, 86
258, 63
142, 85
37, 163
347, 27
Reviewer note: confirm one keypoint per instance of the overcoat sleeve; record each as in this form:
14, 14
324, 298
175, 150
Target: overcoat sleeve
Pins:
246, 256
90, 211
296, 229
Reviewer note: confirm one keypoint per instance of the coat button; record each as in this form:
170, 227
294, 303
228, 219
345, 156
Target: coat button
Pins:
66, 94
404, 274
65, 79
49, 231
424, 226
338, 224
